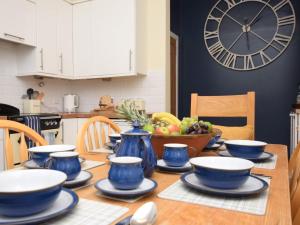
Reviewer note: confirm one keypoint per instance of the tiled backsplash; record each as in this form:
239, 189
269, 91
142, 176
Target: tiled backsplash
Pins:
151, 87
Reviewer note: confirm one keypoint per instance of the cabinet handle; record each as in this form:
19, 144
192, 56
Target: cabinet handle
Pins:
14, 36
42, 58
130, 55
61, 63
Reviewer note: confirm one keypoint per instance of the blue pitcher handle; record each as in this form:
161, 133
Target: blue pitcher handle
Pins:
147, 146
47, 163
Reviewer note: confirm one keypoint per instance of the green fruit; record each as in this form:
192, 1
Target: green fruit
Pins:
148, 127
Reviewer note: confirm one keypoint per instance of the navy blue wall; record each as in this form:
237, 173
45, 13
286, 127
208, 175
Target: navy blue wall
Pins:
275, 84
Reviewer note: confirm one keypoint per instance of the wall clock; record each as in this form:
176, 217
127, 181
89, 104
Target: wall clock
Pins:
249, 34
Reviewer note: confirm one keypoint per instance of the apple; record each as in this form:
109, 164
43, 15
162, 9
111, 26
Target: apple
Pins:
162, 131
173, 128
175, 133
148, 127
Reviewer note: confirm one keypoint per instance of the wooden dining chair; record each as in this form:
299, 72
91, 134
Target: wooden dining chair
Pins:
294, 170
24, 131
227, 106
94, 134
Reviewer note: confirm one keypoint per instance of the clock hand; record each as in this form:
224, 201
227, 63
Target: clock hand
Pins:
226, 14
258, 19
264, 40
262, 9
235, 41
247, 32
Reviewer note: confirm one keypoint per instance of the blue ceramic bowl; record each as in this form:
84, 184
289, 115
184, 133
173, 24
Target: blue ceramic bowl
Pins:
40, 154
27, 192
175, 155
126, 172
246, 149
114, 137
222, 172
67, 162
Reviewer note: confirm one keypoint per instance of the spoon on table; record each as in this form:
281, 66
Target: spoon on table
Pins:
145, 215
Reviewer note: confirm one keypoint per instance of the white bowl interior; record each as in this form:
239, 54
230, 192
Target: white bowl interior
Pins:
175, 145
222, 163
125, 160
30, 180
115, 135
52, 148
246, 142
119, 141
64, 154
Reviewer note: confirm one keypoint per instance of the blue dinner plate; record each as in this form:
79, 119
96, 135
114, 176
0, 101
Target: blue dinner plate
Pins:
30, 164
161, 165
81, 179
252, 186
262, 157
65, 202
105, 187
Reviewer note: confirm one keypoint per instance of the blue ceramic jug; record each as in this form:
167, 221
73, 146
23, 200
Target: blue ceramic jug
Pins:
137, 143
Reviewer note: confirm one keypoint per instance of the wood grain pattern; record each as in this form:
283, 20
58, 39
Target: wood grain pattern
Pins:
8, 125
173, 213
294, 170
225, 106
92, 137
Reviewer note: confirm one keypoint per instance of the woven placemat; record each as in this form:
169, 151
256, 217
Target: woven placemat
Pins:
253, 204
89, 212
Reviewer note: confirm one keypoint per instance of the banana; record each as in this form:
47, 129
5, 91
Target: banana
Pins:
166, 119
166, 115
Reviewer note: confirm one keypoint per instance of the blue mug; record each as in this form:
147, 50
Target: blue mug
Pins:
175, 155
126, 172
67, 162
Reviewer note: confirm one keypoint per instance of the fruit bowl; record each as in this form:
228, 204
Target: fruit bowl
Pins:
196, 143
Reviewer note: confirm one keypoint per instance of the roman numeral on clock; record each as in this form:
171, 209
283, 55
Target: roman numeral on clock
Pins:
286, 20
280, 5
248, 62
230, 60
230, 3
282, 40
211, 17
216, 49
264, 57
211, 34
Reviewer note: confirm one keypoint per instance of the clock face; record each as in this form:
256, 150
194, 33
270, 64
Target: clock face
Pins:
249, 34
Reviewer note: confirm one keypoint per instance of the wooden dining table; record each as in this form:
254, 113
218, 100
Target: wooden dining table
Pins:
170, 212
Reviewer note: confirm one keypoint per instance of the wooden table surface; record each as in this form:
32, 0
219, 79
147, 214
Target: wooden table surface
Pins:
174, 212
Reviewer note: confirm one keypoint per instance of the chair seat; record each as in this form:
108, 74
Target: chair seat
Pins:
241, 133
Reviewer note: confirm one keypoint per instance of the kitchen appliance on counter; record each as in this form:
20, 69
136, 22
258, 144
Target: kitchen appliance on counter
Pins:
71, 103
48, 126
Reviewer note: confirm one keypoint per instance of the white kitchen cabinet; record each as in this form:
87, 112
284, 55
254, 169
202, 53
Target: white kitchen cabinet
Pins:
65, 38
69, 131
18, 21
106, 38
82, 37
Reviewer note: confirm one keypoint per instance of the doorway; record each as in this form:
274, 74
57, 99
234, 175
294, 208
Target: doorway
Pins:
174, 73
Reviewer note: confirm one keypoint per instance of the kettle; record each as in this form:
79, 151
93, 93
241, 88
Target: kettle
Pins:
137, 143
71, 103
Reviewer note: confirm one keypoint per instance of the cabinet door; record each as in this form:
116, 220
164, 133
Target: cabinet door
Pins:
65, 38
47, 21
82, 37
114, 36
69, 131
18, 21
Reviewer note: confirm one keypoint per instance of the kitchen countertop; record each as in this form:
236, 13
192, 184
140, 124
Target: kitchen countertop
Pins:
109, 114
3, 117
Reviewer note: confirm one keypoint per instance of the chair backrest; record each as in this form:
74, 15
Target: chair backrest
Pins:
94, 133
295, 202
24, 131
225, 106
294, 170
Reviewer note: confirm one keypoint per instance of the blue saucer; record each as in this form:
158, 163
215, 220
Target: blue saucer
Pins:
162, 166
107, 188
262, 157
65, 202
253, 185
81, 179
